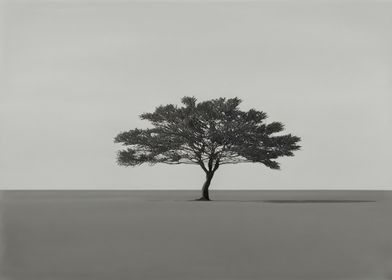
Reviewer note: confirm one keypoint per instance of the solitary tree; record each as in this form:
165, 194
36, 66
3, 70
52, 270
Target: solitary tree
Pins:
209, 134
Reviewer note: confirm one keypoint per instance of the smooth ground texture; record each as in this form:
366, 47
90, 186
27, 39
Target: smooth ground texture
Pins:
64, 235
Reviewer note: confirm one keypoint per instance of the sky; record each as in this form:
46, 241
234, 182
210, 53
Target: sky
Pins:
76, 73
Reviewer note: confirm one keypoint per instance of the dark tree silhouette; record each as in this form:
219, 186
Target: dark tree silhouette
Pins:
209, 134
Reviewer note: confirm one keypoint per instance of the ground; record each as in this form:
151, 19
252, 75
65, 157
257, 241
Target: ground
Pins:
64, 235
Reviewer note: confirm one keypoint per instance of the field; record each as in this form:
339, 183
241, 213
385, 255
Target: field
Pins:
118, 235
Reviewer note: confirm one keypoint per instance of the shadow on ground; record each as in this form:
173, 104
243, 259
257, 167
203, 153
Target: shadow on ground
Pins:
296, 201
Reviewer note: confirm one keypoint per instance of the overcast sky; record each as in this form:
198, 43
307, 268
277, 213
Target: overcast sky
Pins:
76, 73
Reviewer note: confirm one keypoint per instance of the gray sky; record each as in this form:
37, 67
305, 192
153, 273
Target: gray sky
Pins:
76, 73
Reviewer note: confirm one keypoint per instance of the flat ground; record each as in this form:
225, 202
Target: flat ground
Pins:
116, 235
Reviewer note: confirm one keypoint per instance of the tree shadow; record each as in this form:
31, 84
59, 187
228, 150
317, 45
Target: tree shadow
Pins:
299, 201
318, 201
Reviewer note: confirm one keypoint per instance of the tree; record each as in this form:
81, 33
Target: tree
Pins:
209, 134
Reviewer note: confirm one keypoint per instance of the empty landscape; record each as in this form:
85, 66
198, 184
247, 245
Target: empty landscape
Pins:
125, 123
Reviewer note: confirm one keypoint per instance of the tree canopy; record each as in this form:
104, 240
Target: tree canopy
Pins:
197, 133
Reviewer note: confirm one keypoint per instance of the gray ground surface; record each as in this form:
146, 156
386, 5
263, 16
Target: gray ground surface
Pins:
64, 235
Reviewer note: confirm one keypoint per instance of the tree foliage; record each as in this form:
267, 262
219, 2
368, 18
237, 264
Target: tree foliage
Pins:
209, 133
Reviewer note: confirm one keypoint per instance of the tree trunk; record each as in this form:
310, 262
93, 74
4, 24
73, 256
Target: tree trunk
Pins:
205, 193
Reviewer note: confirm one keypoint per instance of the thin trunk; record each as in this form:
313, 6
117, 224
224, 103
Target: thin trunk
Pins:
205, 192
209, 174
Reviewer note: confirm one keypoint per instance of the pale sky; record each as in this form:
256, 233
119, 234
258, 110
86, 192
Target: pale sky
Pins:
76, 73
